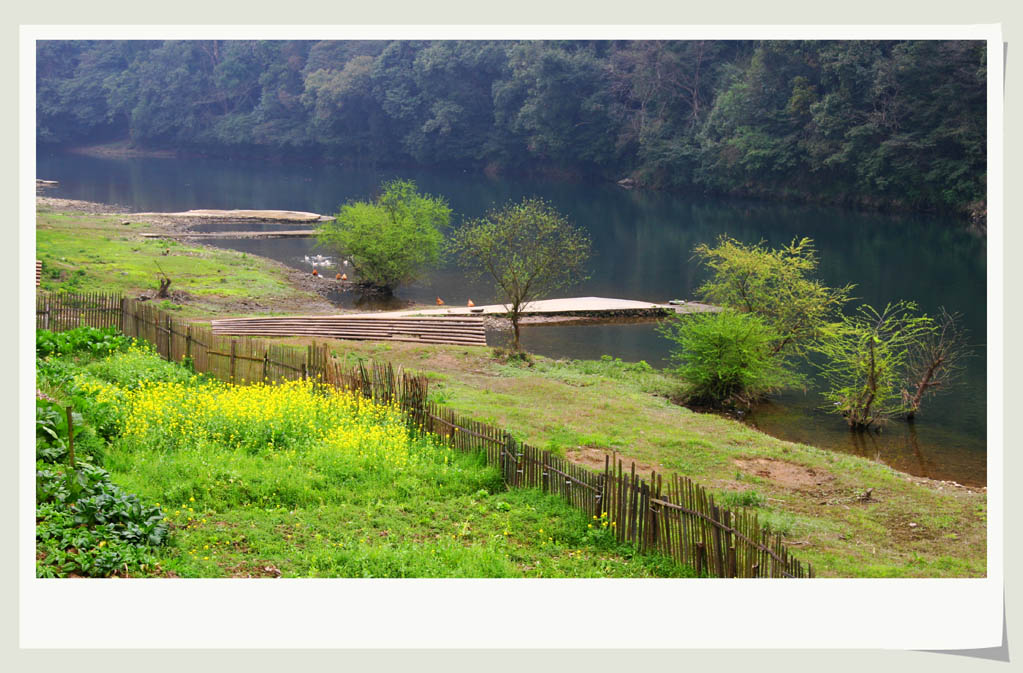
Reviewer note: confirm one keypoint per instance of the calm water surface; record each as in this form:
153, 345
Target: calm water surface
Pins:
643, 246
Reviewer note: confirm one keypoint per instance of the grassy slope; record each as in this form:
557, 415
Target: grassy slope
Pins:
563, 407
440, 521
98, 253
310, 509
556, 406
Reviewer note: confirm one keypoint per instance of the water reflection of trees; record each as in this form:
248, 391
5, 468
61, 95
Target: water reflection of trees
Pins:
903, 452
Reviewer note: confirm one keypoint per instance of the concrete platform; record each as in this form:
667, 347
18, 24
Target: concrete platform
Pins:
295, 233
244, 215
567, 306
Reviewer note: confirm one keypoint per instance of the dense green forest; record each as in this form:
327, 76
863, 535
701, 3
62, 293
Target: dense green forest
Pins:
885, 123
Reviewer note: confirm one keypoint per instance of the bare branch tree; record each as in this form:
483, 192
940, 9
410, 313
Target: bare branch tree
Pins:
935, 362
164, 282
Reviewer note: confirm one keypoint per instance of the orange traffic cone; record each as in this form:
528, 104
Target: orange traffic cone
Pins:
470, 303
440, 301
315, 272
344, 276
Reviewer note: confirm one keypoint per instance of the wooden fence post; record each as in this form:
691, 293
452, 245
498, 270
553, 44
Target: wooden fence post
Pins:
170, 339
70, 437
545, 471
233, 345
188, 341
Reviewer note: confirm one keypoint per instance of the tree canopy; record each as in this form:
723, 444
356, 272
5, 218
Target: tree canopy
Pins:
725, 357
865, 360
871, 122
775, 284
393, 239
527, 249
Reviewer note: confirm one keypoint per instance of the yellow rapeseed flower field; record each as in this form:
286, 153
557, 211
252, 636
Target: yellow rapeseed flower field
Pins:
259, 418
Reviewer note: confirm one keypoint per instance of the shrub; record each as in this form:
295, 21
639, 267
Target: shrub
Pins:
776, 284
865, 361
52, 433
392, 240
725, 357
85, 524
89, 340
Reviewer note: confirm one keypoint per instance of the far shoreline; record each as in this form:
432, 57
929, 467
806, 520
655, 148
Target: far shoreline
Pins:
973, 217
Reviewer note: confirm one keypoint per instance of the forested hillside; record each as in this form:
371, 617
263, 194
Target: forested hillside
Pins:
885, 123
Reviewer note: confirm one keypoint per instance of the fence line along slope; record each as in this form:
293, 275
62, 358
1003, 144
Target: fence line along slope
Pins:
669, 513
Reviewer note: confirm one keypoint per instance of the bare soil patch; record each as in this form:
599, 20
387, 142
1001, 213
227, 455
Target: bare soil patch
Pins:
594, 457
787, 475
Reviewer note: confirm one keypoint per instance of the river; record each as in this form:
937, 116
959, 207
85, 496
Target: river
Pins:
642, 249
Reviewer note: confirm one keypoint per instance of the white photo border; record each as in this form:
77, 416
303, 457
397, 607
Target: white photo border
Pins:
940, 614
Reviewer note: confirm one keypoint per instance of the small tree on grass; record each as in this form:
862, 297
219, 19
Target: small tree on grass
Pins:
775, 284
528, 250
726, 357
392, 240
865, 358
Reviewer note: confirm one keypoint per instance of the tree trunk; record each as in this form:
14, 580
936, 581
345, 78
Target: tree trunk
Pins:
871, 388
515, 330
921, 388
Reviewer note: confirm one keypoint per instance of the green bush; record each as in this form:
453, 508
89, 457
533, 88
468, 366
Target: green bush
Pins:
725, 357
85, 524
392, 241
88, 340
52, 434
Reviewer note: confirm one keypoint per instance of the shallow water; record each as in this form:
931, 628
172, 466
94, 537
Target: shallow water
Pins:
642, 250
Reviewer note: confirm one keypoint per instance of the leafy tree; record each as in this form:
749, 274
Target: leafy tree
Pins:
775, 284
865, 357
393, 239
725, 357
528, 249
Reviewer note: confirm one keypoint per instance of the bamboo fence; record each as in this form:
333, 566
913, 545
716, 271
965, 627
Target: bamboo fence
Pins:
63, 311
666, 513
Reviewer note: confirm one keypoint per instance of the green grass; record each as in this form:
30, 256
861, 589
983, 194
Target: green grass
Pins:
312, 508
607, 404
566, 406
86, 253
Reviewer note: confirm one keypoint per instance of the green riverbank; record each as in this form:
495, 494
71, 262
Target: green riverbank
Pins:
105, 251
908, 527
